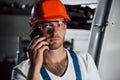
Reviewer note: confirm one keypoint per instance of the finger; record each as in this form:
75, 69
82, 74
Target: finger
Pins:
34, 51
42, 49
35, 41
38, 56
39, 47
40, 44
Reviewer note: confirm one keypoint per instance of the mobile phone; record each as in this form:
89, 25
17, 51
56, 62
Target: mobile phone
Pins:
36, 31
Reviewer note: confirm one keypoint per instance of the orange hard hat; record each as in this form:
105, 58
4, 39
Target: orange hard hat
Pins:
48, 10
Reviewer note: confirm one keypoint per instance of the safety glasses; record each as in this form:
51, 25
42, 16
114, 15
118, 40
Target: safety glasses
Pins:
49, 26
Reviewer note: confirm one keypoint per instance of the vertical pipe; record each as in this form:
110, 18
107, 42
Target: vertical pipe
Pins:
98, 28
19, 50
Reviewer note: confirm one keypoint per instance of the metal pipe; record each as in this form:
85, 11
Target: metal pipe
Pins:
98, 28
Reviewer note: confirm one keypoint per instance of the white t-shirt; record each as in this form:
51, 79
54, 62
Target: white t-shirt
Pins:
86, 63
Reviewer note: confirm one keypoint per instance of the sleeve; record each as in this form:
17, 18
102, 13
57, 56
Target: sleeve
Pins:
92, 69
17, 75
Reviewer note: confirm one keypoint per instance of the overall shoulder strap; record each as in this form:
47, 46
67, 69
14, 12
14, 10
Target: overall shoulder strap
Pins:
44, 74
76, 65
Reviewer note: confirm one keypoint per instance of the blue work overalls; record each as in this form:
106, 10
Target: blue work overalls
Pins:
76, 68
